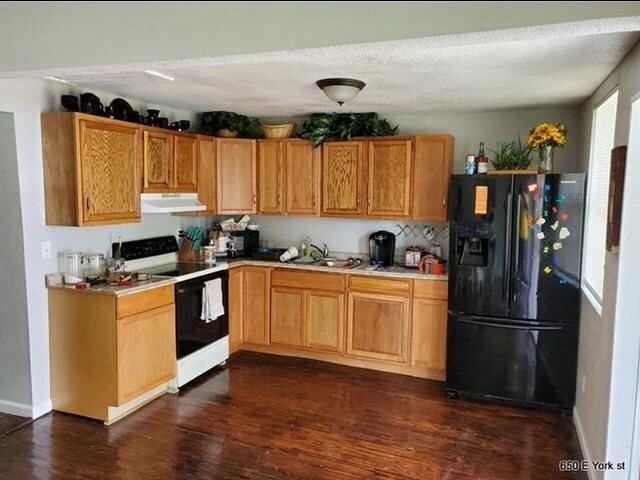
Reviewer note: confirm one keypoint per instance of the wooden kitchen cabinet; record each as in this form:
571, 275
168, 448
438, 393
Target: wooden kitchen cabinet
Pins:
389, 178
378, 318
185, 155
324, 320
207, 173
344, 182
429, 325
158, 160
92, 170
237, 176
236, 303
302, 165
270, 176
119, 360
287, 316
255, 308
433, 163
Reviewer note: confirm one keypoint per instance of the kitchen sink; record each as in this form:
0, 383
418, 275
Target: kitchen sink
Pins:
338, 263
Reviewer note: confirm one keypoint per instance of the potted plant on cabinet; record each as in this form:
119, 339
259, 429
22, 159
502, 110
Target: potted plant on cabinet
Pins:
511, 157
230, 125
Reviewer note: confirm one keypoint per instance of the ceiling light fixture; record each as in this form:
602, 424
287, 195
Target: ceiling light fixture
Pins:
340, 90
159, 75
55, 79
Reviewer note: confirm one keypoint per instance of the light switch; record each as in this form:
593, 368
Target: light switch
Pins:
46, 250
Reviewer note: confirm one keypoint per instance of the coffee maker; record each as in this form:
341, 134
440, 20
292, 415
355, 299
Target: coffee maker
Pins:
382, 246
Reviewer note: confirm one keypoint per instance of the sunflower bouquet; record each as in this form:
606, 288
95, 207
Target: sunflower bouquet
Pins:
547, 135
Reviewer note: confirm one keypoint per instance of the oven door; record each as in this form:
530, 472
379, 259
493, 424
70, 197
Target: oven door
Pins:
192, 333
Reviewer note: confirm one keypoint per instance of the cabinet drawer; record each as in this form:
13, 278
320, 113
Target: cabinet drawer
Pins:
141, 302
377, 284
436, 289
308, 280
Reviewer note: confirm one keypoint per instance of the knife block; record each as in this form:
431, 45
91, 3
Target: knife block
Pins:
186, 253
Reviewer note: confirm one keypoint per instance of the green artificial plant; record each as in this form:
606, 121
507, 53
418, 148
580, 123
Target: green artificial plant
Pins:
513, 155
344, 126
246, 127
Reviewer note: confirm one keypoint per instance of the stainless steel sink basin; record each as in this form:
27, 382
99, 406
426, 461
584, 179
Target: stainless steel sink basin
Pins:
336, 263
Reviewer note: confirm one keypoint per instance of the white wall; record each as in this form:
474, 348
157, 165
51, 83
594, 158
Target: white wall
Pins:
26, 99
15, 378
597, 331
60, 34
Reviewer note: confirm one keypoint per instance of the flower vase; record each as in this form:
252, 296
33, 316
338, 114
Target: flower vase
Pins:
546, 159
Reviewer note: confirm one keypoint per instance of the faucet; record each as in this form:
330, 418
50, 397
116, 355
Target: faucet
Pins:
324, 250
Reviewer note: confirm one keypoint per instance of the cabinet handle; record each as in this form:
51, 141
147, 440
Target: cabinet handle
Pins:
254, 198
313, 201
88, 204
278, 200
444, 201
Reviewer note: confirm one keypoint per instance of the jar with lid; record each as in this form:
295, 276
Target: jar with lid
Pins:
72, 268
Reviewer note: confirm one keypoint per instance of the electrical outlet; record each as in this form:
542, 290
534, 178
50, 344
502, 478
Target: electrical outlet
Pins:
45, 248
583, 383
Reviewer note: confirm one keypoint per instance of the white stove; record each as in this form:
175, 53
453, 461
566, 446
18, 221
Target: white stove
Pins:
200, 346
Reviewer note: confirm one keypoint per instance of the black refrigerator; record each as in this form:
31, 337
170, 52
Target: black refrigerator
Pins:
514, 287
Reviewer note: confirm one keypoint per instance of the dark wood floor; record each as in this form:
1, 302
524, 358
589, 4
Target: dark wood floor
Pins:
11, 422
266, 417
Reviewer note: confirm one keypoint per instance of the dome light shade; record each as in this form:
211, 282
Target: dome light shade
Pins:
340, 90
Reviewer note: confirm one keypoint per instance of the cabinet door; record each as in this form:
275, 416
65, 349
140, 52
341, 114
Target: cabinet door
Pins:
377, 326
343, 178
429, 333
287, 316
324, 321
110, 170
270, 174
146, 351
158, 161
207, 173
302, 177
431, 170
185, 159
236, 295
255, 311
236, 176
389, 178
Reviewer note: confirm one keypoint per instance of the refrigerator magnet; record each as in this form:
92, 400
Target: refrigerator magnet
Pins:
554, 225
540, 235
547, 270
564, 233
557, 246
481, 200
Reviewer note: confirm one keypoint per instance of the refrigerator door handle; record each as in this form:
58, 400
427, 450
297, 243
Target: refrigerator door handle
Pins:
506, 280
516, 255
508, 326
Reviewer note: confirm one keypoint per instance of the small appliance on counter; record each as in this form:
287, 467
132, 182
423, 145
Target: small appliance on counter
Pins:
412, 256
245, 242
382, 247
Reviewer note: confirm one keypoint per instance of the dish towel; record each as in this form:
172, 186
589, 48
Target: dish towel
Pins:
212, 306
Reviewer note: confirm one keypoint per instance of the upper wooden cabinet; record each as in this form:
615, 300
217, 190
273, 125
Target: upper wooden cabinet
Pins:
170, 161
302, 165
433, 161
185, 155
92, 169
343, 179
237, 175
270, 176
389, 178
207, 173
289, 177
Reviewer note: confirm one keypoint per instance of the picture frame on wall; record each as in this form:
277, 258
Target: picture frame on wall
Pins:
616, 192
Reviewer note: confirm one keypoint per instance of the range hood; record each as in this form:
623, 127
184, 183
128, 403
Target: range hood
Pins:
171, 202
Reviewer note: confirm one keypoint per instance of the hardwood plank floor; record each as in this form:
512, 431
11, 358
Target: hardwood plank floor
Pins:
267, 417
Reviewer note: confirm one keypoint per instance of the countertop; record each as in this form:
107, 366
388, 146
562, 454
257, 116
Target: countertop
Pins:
396, 271
224, 264
133, 287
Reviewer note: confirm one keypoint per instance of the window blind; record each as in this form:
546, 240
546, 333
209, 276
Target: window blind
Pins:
602, 138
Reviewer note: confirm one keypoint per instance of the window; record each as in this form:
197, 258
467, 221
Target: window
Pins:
602, 135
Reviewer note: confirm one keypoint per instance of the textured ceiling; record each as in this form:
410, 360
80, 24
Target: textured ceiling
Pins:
472, 72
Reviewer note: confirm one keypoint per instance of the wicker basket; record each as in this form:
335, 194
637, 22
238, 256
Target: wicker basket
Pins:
226, 133
278, 131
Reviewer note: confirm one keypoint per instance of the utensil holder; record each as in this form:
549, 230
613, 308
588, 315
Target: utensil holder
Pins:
186, 252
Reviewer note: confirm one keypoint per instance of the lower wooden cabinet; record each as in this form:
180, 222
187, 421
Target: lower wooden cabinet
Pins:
324, 321
255, 307
429, 333
146, 351
102, 367
287, 316
236, 295
378, 326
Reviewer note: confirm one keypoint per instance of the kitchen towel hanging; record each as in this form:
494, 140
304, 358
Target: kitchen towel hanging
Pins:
212, 306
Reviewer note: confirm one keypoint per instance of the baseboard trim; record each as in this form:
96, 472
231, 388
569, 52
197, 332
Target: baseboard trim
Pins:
38, 411
15, 408
584, 447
